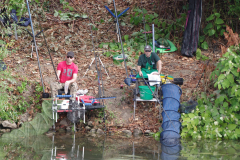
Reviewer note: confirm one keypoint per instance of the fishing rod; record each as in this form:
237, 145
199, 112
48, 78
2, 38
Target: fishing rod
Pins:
44, 95
100, 90
96, 62
159, 103
47, 47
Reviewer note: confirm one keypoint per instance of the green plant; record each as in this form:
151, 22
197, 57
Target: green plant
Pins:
234, 7
45, 5
22, 104
66, 5
38, 93
156, 135
199, 55
67, 16
112, 115
101, 112
129, 47
217, 115
164, 27
38, 88
134, 45
215, 27
18, 5
22, 88
4, 52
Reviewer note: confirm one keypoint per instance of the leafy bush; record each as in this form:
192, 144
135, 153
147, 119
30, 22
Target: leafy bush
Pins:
217, 116
163, 27
4, 52
215, 27
200, 56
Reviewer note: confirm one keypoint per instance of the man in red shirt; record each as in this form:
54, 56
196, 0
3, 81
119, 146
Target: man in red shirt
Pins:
67, 75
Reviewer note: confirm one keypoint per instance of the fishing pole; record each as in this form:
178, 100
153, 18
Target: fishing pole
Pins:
159, 103
96, 62
45, 95
98, 72
47, 48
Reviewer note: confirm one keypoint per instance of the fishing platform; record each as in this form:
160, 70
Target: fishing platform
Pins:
75, 109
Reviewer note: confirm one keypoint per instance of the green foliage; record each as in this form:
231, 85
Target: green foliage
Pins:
18, 5
39, 88
234, 7
163, 27
22, 87
156, 136
38, 93
68, 15
135, 43
66, 5
22, 104
129, 47
199, 55
93, 27
13, 104
217, 115
46, 5
5, 111
64, 16
101, 112
4, 52
214, 28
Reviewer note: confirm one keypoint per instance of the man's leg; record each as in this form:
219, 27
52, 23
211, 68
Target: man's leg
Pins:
73, 90
55, 86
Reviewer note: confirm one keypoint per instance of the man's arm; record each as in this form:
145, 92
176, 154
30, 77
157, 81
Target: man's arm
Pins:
74, 79
159, 66
139, 70
58, 75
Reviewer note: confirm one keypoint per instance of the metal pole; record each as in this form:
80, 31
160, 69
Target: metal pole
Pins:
120, 38
35, 45
144, 24
153, 37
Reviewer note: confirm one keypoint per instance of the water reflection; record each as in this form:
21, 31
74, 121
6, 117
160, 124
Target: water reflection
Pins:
81, 147
170, 152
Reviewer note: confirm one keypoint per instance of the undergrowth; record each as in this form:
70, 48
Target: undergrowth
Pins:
12, 100
217, 115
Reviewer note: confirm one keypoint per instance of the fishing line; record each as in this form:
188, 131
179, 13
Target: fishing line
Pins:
47, 46
39, 67
159, 103
98, 72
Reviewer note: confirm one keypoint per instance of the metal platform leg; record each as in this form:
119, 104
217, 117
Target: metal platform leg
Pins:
160, 107
135, 101
134, 108
156, 95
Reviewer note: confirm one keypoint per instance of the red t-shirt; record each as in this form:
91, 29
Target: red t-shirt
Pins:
67, 71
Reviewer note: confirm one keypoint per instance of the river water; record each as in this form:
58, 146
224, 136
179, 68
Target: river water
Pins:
79, 147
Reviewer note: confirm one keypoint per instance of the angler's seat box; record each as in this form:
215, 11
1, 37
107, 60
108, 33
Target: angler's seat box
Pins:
61, 92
